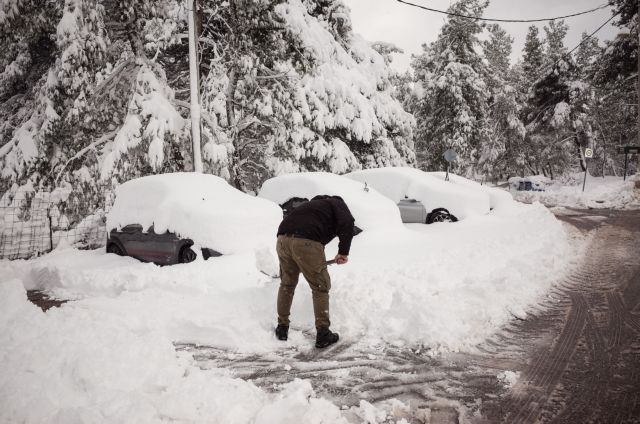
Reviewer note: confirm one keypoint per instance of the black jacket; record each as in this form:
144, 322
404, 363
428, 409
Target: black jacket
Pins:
321, 219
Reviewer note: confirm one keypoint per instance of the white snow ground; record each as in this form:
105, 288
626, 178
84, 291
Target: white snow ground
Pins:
108, 355
599, 193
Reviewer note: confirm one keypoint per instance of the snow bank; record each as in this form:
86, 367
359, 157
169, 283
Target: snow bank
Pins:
496, 196
204, 208
398, 183
370, 209
450, 286
609, 192
441, 285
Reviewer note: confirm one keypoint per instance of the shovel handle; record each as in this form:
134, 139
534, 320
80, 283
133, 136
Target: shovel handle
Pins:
331, 262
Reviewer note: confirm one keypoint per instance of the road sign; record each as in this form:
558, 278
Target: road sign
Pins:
450, 155
629, 149
588, 153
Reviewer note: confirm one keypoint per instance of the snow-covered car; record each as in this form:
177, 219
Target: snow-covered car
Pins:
369, 208
496, 195
437, 200
168, 218
530, 183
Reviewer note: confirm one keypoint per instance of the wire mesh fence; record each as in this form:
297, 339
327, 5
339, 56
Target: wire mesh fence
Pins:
33, 223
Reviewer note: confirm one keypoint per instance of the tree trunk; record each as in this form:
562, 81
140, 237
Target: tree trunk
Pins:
583, 164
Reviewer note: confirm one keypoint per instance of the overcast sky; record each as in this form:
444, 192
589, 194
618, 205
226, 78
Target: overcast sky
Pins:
409, 27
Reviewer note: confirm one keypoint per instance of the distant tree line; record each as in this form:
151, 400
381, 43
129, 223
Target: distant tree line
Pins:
533, 117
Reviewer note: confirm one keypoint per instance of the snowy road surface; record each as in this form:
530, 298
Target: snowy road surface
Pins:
575, 360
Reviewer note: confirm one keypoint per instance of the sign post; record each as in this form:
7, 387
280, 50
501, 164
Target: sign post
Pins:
588, 154
450, 156
628, 150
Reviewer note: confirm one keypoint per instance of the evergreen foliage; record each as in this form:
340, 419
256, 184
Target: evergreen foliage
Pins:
451, 96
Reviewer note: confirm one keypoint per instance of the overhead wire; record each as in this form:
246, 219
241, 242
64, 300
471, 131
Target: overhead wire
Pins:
548, 67
480, 18
568, 54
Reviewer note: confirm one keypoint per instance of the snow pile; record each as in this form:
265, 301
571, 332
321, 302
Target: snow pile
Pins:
496, 195
80, 364
370, 209
202, 207
451, 285
608, 192
400, 183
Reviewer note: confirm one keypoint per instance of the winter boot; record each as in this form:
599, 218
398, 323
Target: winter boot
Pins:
325, 338
282, 332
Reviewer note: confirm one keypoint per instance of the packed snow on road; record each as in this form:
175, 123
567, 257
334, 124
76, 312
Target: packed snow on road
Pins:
108, 355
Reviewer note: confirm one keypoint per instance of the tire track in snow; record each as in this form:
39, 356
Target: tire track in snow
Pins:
598, 381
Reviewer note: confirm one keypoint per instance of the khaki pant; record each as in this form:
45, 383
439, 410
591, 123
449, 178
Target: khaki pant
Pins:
307, 256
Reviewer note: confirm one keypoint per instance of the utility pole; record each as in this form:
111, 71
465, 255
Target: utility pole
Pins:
194, 86
638, 71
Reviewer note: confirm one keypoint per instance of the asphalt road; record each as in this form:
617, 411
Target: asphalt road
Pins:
582, 361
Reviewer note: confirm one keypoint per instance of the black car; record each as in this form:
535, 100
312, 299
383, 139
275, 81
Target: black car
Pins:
162, 249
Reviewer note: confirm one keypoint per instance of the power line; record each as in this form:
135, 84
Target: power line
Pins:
584, 40
568, 54
459, 15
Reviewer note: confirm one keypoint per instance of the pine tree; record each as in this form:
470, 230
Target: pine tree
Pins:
533, 53
586, 56
451, 95
506, 132
61, 82
290, 88
555, 50
615, 81
559, 105
86, 85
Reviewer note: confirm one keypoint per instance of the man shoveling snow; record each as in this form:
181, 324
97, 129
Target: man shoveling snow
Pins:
302, 236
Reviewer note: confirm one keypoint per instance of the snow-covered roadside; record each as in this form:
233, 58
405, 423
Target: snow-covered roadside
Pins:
599, 193
108, 355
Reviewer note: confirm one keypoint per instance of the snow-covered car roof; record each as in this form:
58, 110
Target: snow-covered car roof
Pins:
400, 183
370, 209
496, 196
204, 208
